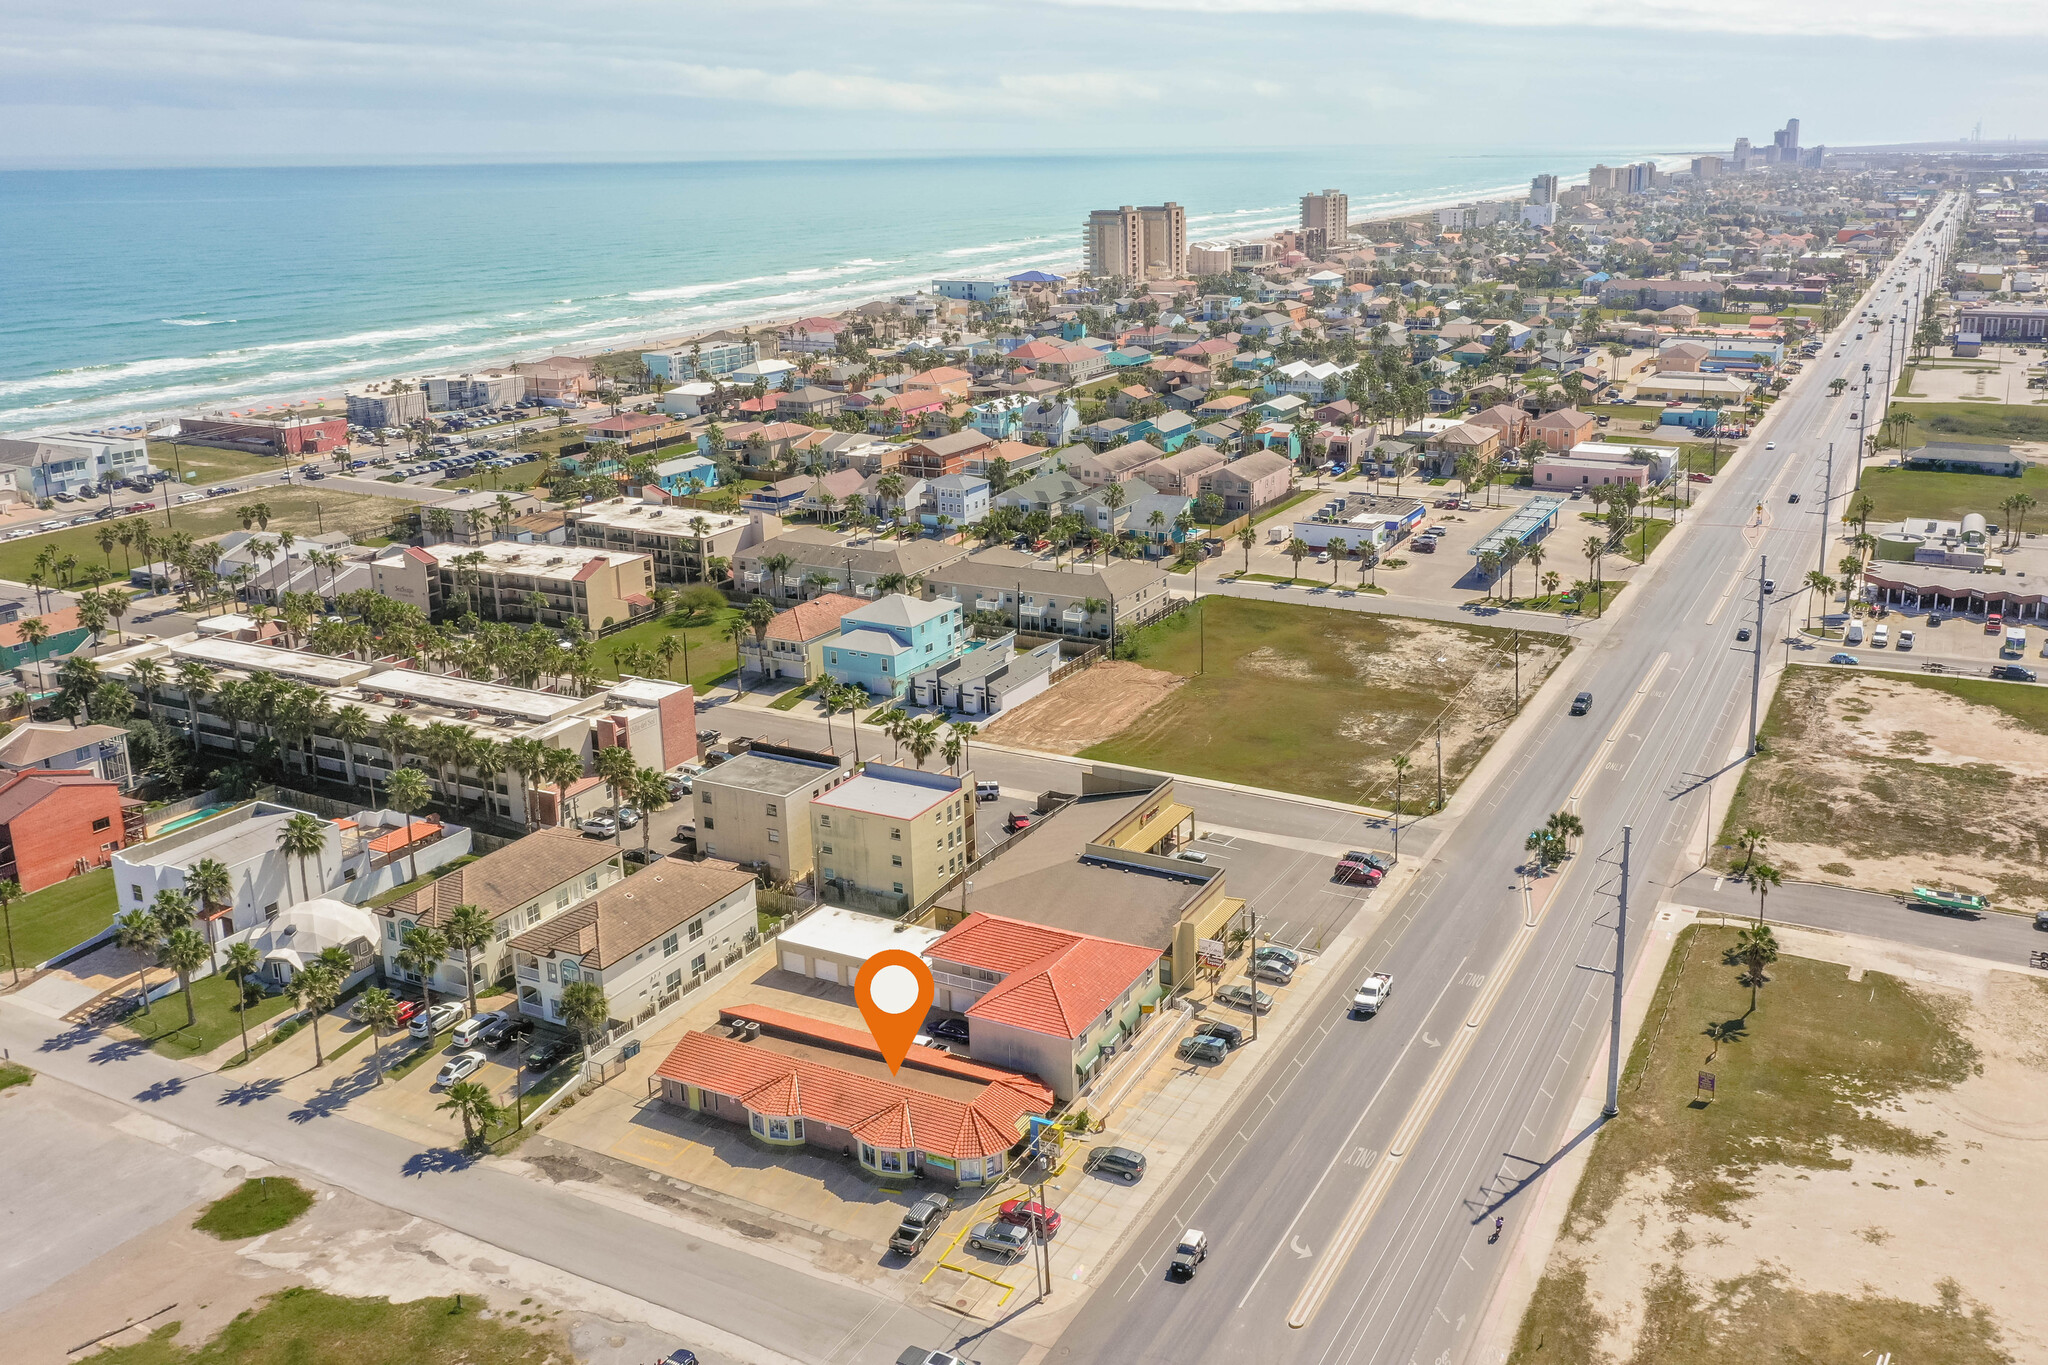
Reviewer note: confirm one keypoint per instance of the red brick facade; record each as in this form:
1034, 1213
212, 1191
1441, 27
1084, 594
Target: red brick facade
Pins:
52, 822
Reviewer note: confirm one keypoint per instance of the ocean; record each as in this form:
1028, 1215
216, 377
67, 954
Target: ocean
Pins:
129, 295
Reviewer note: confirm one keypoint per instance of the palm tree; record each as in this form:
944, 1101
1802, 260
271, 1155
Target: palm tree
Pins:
1751, 840
196, 681
1297, 550
473, 1102
615, 765
1246, 538
420, 952
467, 930
241, 963
1756, 947
1764, 879
1823, 591
139, 932
921, 737
350, 725
960, 733
1594, 550
378, 1008
10, 892
1337, 547
406, 791
314, 988
304, 837
184, 952
585, 1009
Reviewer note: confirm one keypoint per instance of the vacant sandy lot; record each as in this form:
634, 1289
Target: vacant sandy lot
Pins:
1918, 1244
1888, 782
1085, 709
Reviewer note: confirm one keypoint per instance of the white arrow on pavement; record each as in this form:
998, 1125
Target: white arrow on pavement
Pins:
1294, 1245
1430, 1041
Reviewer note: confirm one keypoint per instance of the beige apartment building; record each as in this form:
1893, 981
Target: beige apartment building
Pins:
1149, 243
755, 809
1325, 221
508, 580
893, 833
679, 540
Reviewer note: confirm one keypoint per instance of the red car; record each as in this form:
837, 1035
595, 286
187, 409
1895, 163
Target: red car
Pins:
1016, 822
1037, 1217
1356, 874
406, 1010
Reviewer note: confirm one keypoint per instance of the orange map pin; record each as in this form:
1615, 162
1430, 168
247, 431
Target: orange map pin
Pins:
894, 990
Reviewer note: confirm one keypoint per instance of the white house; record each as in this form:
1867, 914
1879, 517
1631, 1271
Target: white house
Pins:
963, 497
302, 932
644, 940
245, 841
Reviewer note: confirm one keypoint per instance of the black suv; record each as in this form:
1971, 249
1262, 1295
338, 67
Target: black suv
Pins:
1582, 703
549, 1054
920, 1221
1230, 1035
506, 1032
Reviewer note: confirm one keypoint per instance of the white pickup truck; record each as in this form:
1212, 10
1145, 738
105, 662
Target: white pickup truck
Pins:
1372, 993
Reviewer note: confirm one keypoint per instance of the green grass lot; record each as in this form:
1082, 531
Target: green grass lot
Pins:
302, 1326
213, 1004
258, 1205
1343, 584
1319, 701
1901, 493
297, 510
1994, 423
58, 917
13, 1074
711, 648
1293, 500
211, 465
1805, 1080
1642, 542
1627, 412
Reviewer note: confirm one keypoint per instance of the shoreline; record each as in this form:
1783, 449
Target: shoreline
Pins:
629, 341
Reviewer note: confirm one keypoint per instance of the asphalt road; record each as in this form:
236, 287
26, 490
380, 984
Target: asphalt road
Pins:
1348, 1204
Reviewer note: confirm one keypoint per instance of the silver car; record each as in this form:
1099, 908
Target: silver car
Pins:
1008, 1240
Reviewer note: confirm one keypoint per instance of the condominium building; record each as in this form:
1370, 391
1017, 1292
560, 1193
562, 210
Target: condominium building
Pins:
1149, 243
508, 580
755, 809
677, 541
1325, 221
368, 408
643, 941
452, 393
1543, 189
706, 358
894, 832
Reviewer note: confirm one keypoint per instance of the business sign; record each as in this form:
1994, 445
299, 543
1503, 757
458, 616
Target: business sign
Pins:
1706, 1082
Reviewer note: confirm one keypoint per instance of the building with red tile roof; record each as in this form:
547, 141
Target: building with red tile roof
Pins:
57, 824
794, 646
1049, 1001
790, 1094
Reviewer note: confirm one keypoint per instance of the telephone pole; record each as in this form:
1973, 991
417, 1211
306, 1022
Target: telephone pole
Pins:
1756, 669
1620, 955
1827, 493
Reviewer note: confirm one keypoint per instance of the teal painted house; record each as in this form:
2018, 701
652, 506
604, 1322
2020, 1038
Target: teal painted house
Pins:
881, 646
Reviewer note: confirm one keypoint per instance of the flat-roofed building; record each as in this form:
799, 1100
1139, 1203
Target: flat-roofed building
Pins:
893, 835
679, 541
48, 465
506, 580
755, 809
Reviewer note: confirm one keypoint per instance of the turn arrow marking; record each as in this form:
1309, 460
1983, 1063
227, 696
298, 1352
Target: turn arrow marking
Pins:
1294, 1245
1430, 1042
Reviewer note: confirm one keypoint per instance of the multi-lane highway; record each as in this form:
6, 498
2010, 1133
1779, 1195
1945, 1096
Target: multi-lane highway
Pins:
1349, 1201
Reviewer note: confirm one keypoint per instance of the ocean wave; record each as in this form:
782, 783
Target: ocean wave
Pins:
996, 246
196, 322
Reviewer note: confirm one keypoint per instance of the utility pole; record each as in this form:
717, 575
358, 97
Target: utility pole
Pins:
1756, 670
1254, 969
1439, 762
1201, 620
1518, 673
1826, 493
1620, 956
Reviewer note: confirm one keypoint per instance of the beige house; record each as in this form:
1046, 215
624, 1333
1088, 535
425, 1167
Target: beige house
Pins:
1114, 465
1466, 438
644, 940
1510, 421
1183, 473
1563, 429
557, 379
894, 834
520, 887
1251, 482
793, 646
755, 809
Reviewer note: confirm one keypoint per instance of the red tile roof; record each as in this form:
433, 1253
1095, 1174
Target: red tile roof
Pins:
420, 832
783, 1023
59, 621
809, 620
880, 1113
1054, 981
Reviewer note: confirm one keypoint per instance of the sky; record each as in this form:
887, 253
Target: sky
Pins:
202, 82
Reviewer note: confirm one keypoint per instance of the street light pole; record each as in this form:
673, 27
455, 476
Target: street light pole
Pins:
1756, 670
1620, 955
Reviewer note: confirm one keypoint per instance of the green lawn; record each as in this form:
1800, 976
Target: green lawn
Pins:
58, 917
1902, 493
1641, 542
303, 1326
1294, 501
1994, 423
13, 1074
258, 1205
711, 647
213, 1004
1319, 701
291, 509
211, 465
1342, 584
1806, 1080
1625, 412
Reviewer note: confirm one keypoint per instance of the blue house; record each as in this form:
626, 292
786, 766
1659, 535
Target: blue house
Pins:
1696, 418
686, 474
881, 646
1073, 329
1170, 431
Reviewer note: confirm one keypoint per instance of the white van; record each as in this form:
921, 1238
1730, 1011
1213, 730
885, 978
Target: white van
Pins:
1855, 634
1880, 637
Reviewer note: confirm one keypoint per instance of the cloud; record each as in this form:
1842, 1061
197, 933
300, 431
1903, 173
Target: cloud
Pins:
1893, 20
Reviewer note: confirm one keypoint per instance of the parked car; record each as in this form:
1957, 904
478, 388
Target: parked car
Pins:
1002, 1239
470, 1030
600, 827
1246, 998
1034, 1217
459, 1066
1189, 1252
1273, 970
920, 1221
1202, 1048
1349, 873
1192, 855
1018, 821
1230, 1035
549, 1054
627, 817
948, 1030
1369, 858
1273, 952
1843, 659
444, 1015
1905, 639
1120, 1162
505, 1030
